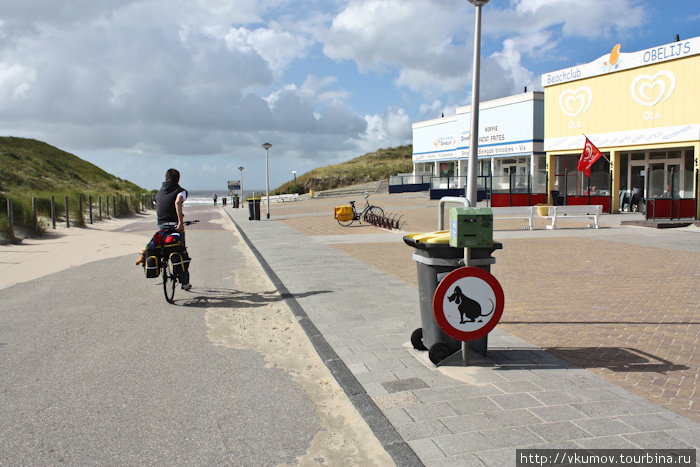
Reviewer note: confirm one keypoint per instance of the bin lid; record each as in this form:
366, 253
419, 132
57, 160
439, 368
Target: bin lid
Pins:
438, 239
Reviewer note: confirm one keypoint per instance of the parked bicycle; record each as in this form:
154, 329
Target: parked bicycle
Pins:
366, 214
170, 277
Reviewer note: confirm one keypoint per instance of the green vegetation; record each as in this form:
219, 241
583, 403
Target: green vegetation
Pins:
374, 166
33, 169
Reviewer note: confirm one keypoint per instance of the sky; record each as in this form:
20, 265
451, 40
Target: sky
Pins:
139, 86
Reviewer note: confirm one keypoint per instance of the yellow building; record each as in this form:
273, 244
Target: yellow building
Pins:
642, 110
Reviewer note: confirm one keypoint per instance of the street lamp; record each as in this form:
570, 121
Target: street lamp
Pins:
267, 147
294, 172
241, 187
474, 137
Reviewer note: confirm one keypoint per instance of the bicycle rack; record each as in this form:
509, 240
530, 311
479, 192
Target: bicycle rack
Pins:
387, 221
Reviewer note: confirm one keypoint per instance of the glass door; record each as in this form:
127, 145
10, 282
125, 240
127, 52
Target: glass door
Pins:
637, 177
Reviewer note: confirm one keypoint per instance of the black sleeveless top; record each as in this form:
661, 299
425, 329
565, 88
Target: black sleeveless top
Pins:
165, 202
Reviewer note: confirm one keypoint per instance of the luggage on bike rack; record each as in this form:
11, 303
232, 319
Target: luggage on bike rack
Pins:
179, 261
151, 267
343, 213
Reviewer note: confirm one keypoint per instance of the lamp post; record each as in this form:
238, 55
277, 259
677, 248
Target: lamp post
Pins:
474, 137
267, 147
294, 172
241, 187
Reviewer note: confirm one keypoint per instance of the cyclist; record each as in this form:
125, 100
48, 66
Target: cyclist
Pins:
169, 202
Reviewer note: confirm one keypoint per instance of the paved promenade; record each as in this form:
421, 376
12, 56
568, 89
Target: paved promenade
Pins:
597, 346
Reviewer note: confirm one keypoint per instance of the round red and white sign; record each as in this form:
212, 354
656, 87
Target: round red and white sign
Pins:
468, 303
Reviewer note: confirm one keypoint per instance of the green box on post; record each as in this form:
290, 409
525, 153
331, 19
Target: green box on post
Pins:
471, 228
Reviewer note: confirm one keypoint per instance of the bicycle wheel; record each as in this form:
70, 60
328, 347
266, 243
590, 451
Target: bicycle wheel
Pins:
373, 211
348, 222
169, 281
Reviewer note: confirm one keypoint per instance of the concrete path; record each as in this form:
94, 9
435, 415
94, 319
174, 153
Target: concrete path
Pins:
97, 369
520, 396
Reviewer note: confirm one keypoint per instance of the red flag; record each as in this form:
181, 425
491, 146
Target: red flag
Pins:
588, 157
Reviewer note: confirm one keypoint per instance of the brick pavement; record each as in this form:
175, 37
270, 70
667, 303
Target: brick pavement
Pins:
628, 312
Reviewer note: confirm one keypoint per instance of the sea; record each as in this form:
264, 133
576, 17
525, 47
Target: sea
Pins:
206, 196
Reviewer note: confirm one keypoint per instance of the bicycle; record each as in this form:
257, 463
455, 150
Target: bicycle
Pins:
368, 211
170, 278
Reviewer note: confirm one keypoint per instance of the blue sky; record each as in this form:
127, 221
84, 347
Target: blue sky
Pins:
138, 86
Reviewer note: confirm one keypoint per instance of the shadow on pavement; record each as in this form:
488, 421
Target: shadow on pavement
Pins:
618, 359
231, 298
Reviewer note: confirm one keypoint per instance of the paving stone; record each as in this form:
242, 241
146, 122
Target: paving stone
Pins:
514, 387
408, 384
512, 418
515, 401
426, 449
412, 372
505, 437
689, 436
380, 365
559, 431
474, 405
397, 416
467, 423
604, 426
465, 442
369, 377
431, 411
650, 422
657, 439
557, 413
422, 430
600, 409
606, 442
465, 460
554, 397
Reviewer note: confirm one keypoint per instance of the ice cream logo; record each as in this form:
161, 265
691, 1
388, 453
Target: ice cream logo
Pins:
574, 103
650, 90
613, 62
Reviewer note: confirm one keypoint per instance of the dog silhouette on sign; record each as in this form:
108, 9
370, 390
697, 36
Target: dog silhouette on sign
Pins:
471, 309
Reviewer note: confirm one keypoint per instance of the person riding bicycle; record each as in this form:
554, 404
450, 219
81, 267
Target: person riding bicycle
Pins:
169, 202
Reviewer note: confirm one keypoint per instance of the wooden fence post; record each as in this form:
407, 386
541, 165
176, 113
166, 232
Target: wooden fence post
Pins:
53, 212
10, 216
67, 214
35, 217
107, 201
90, 207
99, 204
114, 205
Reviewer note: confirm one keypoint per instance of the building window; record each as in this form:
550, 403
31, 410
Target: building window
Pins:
687, 191
567, 178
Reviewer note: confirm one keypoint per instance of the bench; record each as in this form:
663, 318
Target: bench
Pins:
585, 212
519, 212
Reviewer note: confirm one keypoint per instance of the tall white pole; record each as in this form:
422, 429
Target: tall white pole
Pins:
470, 192
240, 202
267, 147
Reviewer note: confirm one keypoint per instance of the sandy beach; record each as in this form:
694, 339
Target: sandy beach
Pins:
64, 248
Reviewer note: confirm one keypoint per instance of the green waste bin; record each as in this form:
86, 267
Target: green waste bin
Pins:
235, 202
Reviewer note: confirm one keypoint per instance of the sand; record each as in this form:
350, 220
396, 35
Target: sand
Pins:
64, 248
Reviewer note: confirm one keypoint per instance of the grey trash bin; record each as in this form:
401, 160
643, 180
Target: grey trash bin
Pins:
434, 258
